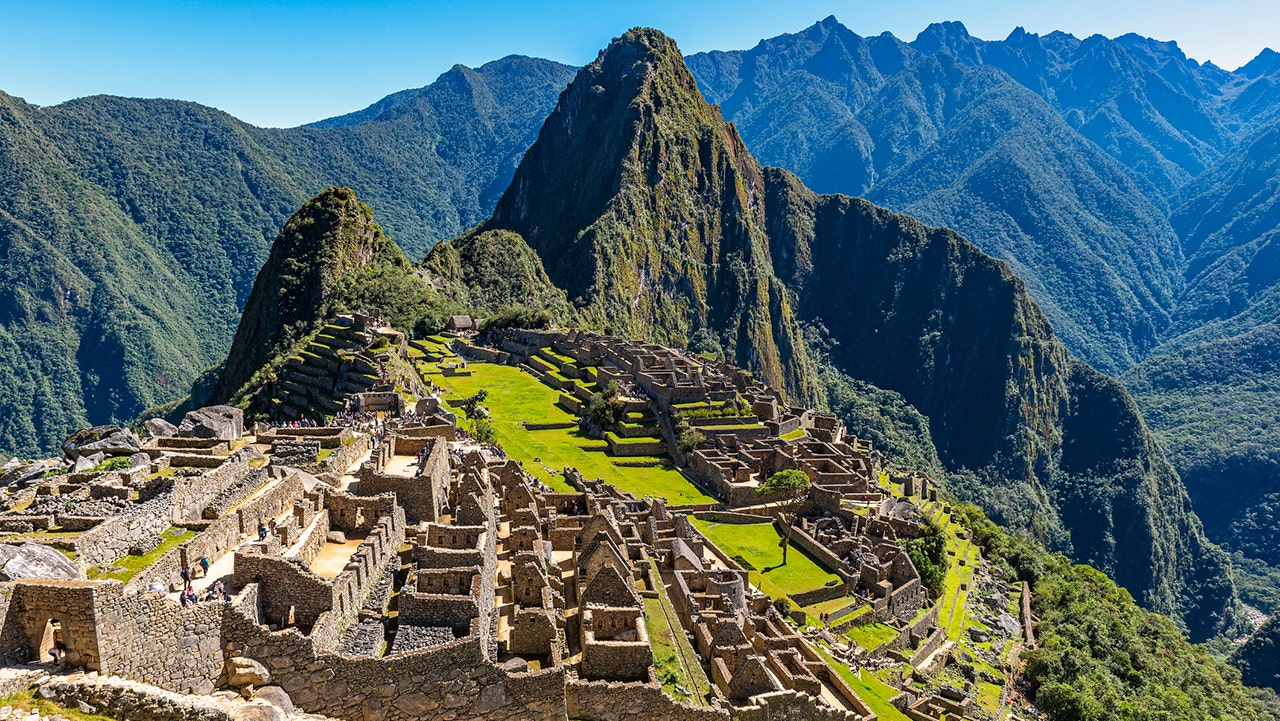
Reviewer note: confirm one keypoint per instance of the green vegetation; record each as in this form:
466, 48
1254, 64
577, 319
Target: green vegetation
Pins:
872, 691
604, 410
1259, 658
118, 463
28, 701
675, 662
871, 635
133, 229
929, 554
330, 256
515, 397
1101, 657
131, 565
757, 543
786, 489
1212, 406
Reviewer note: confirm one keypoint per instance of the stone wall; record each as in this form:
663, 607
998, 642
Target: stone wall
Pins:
931, 644
111, 539
612, 701
454, 681
347, 454
125, 699
153, 639
254, 480
422, 496
190, 495
820, 552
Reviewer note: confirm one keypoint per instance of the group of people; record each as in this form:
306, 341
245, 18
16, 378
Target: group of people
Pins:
189, 596
266, 529
216, 592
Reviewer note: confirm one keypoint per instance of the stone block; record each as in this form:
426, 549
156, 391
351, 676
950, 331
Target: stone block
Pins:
243, 671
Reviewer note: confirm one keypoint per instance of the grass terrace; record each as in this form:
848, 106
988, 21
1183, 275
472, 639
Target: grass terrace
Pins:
131, 565
515, 397
872, 635
758, 545
26, 702
674, 659
874, 692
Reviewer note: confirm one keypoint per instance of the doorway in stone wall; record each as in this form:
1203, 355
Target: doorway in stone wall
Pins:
48, 644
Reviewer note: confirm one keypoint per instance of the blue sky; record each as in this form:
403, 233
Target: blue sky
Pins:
286, 63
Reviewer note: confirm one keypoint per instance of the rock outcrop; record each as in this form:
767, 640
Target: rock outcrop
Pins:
34, 560
221, 422
110, 440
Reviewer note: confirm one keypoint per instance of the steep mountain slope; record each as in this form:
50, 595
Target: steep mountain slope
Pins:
319, 257
1142, 101
968, 147
147, 221
1213, 405
654, 226
1210, 392
638, 197
95, 322
1259, 658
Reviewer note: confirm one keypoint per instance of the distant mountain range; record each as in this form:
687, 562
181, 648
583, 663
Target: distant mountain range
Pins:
131, 230
1135, 191
1132, 190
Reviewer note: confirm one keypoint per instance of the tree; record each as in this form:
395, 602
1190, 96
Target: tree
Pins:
482, 431
604, 409
471, 407
929, 555
787, 488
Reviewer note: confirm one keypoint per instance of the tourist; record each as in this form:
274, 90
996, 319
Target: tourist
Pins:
186, 576
204, 565
58, 652
262, 531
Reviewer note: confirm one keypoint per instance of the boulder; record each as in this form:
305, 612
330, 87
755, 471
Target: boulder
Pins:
160, 428
243, 671
221, 422
336, 537
1009, 625
257, 712
34, 560
84, 463
515, 665
108, 440
21, 474
139, 460
275, 696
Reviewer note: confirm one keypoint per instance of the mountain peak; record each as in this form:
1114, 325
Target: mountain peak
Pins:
949, 38
1266, 63
644, 205
326, 242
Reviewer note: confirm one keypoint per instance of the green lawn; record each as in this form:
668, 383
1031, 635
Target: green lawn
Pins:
792, 435
758, 543
133, 565
872, 635
664, 639
873, 692
515, 397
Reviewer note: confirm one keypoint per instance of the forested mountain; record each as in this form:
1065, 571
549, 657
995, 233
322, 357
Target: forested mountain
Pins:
131, 230
1134, 190
643, 205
